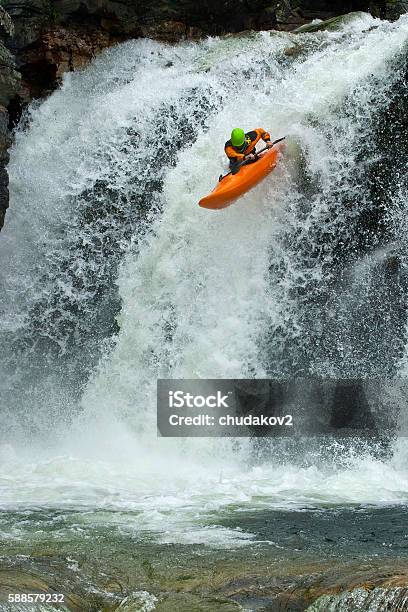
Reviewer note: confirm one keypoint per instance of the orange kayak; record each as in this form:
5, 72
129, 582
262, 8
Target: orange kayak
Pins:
232, 186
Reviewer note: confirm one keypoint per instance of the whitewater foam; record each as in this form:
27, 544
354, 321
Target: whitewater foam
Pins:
202, 294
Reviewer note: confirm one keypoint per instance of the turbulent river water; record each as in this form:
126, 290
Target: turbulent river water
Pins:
112, 276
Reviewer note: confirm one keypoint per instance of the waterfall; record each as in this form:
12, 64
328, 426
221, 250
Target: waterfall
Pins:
112, 276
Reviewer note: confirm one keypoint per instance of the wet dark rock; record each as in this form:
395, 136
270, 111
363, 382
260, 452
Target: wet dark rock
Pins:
9, 77
394, 8
392, 600
58, 50
6, 24
170, 31
9, 85
54, 36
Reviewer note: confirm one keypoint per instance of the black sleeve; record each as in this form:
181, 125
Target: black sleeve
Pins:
234, 166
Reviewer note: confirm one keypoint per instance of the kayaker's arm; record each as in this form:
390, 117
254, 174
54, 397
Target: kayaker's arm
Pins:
232, 154
266, 137
263, 134
234, 157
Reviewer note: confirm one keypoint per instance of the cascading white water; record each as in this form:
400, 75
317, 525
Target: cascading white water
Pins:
105, 182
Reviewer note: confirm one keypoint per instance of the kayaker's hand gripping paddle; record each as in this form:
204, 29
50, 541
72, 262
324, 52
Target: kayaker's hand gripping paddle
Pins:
256, 155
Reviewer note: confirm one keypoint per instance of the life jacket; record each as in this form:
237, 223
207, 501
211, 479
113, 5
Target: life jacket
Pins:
251, 140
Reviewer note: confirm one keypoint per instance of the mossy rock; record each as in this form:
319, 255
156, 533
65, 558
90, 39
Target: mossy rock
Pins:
362, 599
333, 24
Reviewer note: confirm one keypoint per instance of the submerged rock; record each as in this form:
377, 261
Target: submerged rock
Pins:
294, 51
182, 602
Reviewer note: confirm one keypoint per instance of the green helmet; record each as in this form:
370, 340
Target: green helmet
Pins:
237, 137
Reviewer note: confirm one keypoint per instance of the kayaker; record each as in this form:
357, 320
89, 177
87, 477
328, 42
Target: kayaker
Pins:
241, 146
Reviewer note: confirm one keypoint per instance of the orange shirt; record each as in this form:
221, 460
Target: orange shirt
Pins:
251, 140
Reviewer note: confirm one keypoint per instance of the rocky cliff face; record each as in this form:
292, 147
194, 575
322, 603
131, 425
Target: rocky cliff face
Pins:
42, 39
9, 84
